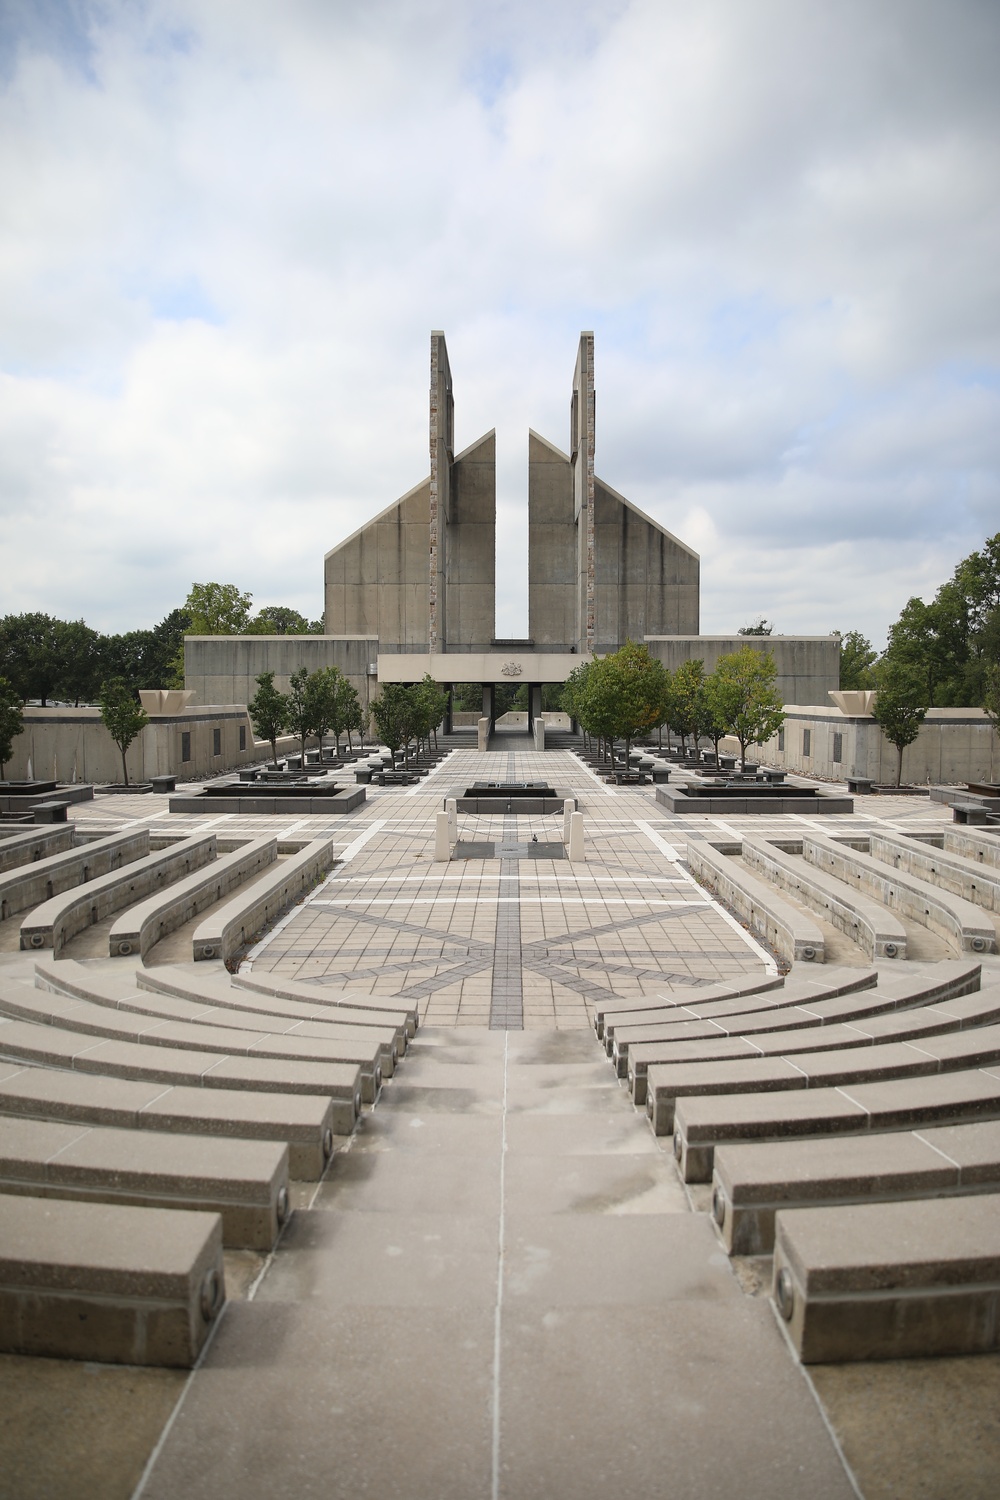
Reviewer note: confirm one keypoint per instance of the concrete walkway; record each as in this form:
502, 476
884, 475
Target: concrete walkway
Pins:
499, 1291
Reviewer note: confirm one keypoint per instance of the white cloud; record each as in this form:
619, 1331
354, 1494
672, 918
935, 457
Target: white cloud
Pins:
228, 230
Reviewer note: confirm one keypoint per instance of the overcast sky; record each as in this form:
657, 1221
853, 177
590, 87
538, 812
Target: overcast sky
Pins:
230, 225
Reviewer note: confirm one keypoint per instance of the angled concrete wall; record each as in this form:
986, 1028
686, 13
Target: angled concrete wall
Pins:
646, 581
376, 582
442, 451
224, 668
470, 549
553, 562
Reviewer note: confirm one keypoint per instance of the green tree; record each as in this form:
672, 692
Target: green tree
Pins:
709, 713
278, 619
760, 626
991, 693
268, 710
900, 707
11, 721
746, 698
625, 694
218, 609
300, 715
687, 688
29, 655
432, 704
395, 714
122, 716
857, 658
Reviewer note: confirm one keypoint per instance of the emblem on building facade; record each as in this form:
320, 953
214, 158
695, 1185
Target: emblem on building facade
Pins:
511, 669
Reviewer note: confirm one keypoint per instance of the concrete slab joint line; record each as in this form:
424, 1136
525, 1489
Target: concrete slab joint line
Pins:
506, 997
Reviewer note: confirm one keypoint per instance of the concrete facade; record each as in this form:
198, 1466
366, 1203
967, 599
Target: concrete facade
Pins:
600, 572
72, 745
954, 745
224, 668
808, 666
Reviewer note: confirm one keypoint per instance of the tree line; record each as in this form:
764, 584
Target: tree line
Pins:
630, 693
325, 702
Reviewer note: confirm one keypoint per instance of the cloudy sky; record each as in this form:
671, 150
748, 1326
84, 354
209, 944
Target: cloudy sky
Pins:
228, 227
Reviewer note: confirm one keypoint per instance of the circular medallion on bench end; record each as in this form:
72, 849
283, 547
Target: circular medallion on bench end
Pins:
124, 949
211, 1295
678, 1142
784, 1294
978, 944
718, 1205
281, 1205
37, 940
890, 950
328, 1144
808, 953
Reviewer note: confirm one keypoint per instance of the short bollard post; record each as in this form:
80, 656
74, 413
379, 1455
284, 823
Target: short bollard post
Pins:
442, 841
483, 734
576, 836
569, 808
451, 812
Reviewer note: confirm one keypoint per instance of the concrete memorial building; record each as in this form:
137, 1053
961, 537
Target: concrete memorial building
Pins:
414, 590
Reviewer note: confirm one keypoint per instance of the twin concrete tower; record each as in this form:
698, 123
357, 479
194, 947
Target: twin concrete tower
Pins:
421, 577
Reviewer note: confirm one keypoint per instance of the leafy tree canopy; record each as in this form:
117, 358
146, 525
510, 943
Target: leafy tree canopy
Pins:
11, 721
122, 716
745, 698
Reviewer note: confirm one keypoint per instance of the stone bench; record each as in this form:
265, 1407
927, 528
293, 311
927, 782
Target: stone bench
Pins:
54, 922
29, 844
61, 1047
970, 812
369, 1045
665, 1004
951, 917
244, 1182
876, 931
321, 994
49, 812
788, 931
951, 872
163, 784
49, 1008
860, 786
635, 1053
302, 1122
30, 885
890, 1280
980, 848
241, 920
667, 1082
142, 926
389, 1023
752, 1182
120, 1285
703, 1124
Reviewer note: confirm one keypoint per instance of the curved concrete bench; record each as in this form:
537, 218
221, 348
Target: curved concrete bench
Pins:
302, 1122
29, 885
211, 987
788, 931
241, 920
245, 1182
949, 916
60, 1047
29, 844
876, 931
50, 1008
321, 994
951, 872
142, 926
703, 1124
980, 847
751, 1183
890, 1280
356, 1043
55, 922
665, 1005
898, 995
97, 1281
667, 1082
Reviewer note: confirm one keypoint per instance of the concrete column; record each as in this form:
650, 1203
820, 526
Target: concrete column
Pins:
484, 734
489, 703
534, 702
539, 733
442, 840
575, 850
450, 710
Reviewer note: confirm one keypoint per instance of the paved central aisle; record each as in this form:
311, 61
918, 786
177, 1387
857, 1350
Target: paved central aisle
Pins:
500, 1291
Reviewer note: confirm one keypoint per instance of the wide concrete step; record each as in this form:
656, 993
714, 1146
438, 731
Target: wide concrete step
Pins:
231, 927
983, 848
951, 917
215, 987
302, 1122
25, 845
923, 1021
59, 1047
859, 916
30, 884
142, 926
952, 872
53, 923
97, 1281
245, 1182
668, 1082
787, 930
704, 1123
90, 1019
804, 988
890, 1280
104, 988
752, 1182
